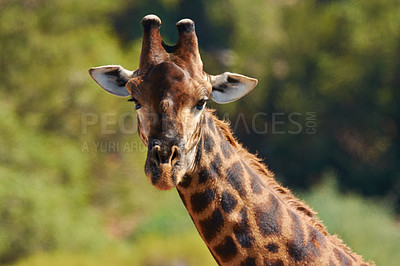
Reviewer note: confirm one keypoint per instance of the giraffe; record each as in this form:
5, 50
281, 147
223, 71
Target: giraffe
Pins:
240, 211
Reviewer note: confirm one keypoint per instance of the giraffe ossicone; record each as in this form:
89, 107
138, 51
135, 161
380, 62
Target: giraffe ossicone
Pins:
243, 215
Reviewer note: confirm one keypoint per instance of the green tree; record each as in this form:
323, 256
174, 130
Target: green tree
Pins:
46, 181
337, 59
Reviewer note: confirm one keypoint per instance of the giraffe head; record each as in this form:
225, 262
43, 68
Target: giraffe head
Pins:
170, 91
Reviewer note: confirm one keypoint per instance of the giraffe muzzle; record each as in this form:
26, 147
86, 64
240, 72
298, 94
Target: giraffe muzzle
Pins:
163, 166
166, 157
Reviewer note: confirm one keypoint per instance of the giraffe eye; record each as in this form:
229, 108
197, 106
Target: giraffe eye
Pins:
137, 104
200, 104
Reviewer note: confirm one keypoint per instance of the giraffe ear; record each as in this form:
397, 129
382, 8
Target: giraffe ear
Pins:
112, 78
229, 87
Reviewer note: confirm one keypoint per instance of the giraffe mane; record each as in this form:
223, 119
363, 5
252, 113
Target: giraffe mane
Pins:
287, 196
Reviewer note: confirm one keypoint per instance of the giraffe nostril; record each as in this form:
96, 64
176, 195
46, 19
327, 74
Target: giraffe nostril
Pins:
175, 155
162, 157
156, 154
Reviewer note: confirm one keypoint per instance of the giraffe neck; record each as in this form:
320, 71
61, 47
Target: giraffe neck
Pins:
244, 216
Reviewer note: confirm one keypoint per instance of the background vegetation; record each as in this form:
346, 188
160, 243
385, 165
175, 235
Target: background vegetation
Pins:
70, 196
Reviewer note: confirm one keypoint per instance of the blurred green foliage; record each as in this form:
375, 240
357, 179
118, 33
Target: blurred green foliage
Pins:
368, 226
337, 59
69, 197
